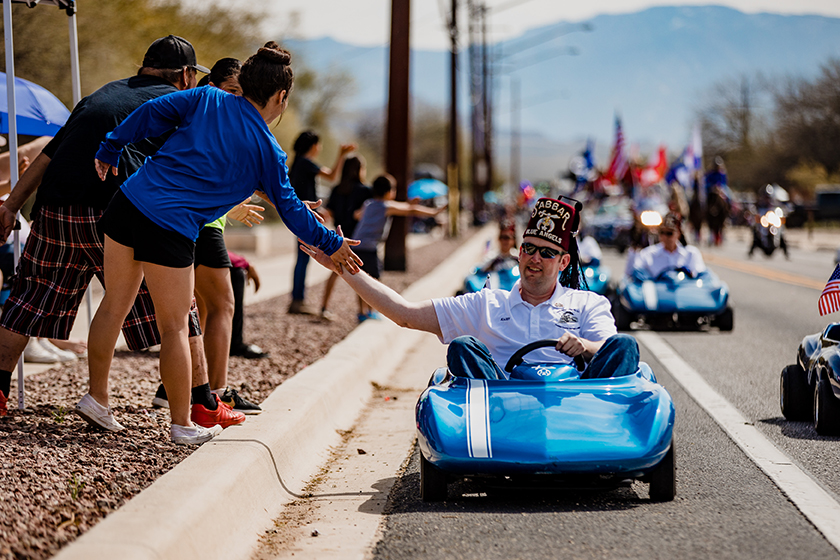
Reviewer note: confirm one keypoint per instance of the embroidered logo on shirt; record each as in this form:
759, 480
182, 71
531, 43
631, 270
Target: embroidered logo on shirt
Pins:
567, 317
505, 319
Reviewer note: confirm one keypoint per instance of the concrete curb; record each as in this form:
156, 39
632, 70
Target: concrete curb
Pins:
217, 502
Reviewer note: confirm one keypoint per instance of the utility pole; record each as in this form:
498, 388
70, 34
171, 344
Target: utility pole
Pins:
452, 171
477, 121
515, 156
487, 91
397, 134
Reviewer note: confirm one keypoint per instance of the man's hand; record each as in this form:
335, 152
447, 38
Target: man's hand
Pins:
570, 345
312, 206
345, 149
248, 214
7, 223
344, 257
320, 257
102, 169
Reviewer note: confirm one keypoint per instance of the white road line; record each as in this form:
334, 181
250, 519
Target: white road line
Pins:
815, 503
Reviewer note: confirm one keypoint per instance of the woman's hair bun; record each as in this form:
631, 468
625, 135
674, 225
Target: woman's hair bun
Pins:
273, 53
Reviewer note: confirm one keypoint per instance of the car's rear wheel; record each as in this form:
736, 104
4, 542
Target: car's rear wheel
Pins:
794, 393
433, 486
726, 320
826, 410
663, 478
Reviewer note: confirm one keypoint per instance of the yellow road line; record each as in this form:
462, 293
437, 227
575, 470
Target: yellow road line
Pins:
763, 272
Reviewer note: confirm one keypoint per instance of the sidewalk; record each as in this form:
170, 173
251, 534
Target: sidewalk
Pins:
246, 476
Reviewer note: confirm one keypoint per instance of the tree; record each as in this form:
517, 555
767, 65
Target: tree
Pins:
808, 117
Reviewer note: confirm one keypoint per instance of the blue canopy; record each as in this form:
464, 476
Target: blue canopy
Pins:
426, 189
39, 112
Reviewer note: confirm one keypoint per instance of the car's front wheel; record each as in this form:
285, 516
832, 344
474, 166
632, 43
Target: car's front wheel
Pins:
794, 393
726, 320
826, 410
433, 486
663, 478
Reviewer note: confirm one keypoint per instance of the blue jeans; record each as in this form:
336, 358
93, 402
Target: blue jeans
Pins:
299, 278
469, 357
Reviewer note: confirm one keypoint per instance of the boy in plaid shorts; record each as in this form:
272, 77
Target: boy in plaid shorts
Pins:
65, 249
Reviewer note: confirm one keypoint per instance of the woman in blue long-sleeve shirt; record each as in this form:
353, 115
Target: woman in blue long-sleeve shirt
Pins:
221, 153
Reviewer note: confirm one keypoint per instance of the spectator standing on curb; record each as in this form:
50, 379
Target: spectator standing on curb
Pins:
199, 174
66, 248
375, 223
303, 176
241, 273
213, 290
346, 197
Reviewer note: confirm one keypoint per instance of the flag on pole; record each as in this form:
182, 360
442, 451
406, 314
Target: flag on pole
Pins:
619, 163
830, 297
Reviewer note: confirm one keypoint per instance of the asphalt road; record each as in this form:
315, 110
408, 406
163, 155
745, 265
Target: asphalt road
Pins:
726, 507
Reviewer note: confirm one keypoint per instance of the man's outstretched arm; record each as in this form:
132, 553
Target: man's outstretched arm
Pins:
420, 316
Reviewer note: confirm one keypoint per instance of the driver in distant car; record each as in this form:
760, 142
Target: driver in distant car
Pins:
669, 253
485, 328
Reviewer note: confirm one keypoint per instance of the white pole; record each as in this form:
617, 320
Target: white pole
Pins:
77, 96
13, 146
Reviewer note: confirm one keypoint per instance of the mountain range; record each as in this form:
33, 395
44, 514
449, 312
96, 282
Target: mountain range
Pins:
655, 68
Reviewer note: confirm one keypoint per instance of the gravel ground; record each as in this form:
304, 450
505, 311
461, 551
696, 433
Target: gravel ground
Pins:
59, 477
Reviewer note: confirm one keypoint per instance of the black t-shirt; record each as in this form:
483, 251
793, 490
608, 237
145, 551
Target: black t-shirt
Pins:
342, 206
302, 177
71, 175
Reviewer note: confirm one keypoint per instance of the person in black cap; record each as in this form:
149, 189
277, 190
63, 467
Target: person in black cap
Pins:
65, 249
485, 328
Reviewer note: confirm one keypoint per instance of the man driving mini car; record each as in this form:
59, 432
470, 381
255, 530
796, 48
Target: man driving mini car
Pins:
669, 253
484, 329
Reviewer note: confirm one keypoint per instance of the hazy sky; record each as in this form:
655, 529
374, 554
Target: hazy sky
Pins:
366, 22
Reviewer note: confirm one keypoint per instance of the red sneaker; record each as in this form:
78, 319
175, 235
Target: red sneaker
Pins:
224, 416
3, 409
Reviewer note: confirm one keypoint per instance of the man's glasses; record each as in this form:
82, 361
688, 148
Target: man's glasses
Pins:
505, 238
668, 233
545, 252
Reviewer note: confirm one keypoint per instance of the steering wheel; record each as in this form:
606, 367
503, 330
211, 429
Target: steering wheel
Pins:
662, 275
516, 359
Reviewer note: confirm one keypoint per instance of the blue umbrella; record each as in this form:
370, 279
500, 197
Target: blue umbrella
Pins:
426, 189
39, 112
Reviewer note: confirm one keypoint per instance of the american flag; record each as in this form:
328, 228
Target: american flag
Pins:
830, 297
618, 163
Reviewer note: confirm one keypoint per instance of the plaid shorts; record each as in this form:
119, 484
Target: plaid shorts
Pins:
62, 254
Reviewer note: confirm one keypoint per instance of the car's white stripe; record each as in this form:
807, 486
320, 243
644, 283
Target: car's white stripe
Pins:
478, 419
649, 295
815, 503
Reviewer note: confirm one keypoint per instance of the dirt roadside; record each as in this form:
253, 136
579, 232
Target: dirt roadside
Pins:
58, 477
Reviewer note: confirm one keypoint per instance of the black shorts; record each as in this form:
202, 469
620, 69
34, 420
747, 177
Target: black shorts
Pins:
125, 224
210, 249
371, 260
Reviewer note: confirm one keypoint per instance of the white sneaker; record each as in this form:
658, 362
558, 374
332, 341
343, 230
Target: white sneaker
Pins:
97, 415
63, 355
193, 435
36, 354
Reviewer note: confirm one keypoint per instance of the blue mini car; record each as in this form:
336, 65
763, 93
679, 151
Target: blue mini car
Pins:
546, 425
810, 388
597, 279
674, 299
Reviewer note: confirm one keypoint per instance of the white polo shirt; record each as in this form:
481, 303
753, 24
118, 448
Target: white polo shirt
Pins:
655, 260
505, 323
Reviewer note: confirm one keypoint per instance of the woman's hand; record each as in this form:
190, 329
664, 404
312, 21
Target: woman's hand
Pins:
102, 169
248, 214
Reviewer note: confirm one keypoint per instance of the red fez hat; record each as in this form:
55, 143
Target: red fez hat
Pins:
555, 221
